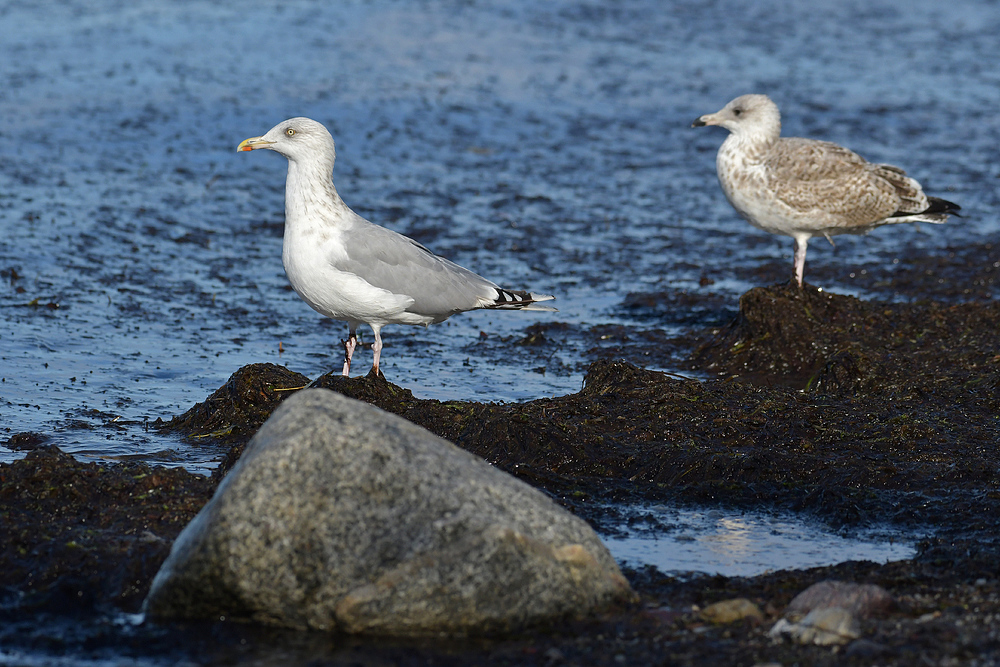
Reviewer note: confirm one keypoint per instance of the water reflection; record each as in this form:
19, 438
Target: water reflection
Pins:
734, 543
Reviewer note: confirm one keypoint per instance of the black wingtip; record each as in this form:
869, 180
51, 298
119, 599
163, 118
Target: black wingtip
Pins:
508, 299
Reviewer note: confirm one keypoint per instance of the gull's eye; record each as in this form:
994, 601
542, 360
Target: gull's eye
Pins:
290, 132
737, 111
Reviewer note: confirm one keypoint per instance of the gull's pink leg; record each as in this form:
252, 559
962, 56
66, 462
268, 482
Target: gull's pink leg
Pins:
800, 257
349, 345
376, 349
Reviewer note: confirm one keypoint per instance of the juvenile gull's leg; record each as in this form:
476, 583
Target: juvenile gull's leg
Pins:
800, 257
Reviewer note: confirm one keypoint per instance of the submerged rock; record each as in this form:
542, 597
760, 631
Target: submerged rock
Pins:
341, 516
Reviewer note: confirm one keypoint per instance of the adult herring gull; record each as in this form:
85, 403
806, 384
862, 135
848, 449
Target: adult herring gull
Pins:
352, 270
803, 187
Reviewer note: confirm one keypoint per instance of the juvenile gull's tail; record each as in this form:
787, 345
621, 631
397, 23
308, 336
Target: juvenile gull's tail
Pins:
915, 206
937, 212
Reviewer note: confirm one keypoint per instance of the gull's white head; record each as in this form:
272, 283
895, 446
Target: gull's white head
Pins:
747, 114
298, 139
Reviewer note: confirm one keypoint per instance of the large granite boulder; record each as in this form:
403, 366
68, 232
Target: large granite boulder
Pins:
340, 516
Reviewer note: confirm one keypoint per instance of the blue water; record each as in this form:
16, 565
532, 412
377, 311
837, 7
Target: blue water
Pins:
545, 145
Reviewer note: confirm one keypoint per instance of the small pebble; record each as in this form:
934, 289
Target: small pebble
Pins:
865, 648
730, 611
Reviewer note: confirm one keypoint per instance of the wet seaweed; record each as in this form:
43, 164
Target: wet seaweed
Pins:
235, 411
75, 535
851, 410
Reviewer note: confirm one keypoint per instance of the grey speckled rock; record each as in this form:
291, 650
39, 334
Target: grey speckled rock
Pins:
862, 600
342, 516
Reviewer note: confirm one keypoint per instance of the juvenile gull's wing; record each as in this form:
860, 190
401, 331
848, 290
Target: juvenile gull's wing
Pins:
810, 175
911, 195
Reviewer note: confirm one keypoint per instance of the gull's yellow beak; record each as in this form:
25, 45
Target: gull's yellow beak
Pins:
252, 143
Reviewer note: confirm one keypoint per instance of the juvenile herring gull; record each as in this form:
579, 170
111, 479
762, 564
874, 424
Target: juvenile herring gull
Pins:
804, 188
352, 270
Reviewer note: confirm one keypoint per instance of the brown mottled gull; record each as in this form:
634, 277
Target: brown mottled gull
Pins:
352, 270
804, 188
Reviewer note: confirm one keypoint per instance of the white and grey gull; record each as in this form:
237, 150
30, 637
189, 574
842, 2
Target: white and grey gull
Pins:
353, 270
804, 187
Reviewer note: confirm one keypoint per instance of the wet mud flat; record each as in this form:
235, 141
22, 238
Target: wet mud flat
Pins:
855, 411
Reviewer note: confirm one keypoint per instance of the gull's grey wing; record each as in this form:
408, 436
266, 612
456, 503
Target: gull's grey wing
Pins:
813, 175
393, 262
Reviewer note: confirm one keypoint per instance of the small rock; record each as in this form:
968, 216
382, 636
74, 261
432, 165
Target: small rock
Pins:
553, 656
866, 649
862, 600
340, 516
665, 615
149, 537
730, 611
824, 627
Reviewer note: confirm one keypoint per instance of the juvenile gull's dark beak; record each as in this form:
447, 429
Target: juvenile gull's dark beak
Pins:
707, 119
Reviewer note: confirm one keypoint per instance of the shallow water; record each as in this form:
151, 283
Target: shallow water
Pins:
547, 146
736, 543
